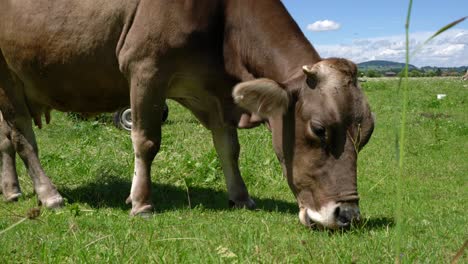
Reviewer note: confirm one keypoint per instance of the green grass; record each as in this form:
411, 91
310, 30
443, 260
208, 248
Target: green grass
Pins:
91, 162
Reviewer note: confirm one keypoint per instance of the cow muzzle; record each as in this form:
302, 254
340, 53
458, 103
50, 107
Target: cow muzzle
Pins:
332, 215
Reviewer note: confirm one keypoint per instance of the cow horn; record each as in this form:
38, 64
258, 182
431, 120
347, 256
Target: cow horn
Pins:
307, 69
311, 76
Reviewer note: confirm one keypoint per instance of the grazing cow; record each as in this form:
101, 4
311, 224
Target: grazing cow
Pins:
465, 77
232, 63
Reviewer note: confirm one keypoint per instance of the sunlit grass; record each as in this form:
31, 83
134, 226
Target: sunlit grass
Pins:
91, 163
401, 135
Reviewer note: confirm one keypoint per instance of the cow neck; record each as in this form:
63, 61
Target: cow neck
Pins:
267, 41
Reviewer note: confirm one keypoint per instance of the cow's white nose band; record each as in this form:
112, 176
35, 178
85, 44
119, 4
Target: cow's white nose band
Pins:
325, 216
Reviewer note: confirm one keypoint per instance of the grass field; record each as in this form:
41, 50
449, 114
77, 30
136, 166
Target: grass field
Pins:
91, 162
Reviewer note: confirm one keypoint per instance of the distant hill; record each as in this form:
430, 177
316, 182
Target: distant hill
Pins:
377, 68
383, 66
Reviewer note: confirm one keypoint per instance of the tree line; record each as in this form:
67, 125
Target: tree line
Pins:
423, 72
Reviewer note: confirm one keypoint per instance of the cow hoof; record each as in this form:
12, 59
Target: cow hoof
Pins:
144, 215
249, 204
12, 197
53, 202
144, 211
128, 200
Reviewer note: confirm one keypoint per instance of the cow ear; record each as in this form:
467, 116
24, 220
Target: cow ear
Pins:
261, 96
367, 127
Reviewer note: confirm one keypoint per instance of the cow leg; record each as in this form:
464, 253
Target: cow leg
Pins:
16, 127
15, 141
147, 102
9, 179
24, 142
227, 146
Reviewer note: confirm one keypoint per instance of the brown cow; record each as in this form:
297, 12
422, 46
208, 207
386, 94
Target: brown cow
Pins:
222, 59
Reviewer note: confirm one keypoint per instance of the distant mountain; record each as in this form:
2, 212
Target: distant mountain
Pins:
382, 66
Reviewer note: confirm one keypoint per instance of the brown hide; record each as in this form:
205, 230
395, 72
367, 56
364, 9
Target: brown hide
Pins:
99, 55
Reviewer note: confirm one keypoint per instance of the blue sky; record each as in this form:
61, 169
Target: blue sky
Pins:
374, 29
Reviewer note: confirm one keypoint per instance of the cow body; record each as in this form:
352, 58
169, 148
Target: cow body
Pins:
99, 55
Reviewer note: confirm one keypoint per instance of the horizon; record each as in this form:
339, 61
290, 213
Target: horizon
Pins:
419, 67
339, 28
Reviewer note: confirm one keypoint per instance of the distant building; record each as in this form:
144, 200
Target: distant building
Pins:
390, 74
450, 74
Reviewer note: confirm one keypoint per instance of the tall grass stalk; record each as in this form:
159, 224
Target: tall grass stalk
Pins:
402, 131
401, 144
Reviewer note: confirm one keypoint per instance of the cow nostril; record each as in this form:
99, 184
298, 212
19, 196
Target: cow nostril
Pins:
342, 217
343, 221
345, 214
337, 212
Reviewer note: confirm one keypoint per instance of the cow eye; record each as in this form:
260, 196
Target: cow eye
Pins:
311, 82
320, 132
316, 134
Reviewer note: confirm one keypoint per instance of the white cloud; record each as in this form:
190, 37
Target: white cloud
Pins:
324, 25
449, 49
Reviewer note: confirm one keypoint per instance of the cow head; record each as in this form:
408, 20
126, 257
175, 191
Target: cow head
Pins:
319, 122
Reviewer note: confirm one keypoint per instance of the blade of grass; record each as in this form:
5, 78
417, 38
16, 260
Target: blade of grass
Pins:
401, 144
459, 253
32, 214
97, 240
400, 138
13, 225
440, 31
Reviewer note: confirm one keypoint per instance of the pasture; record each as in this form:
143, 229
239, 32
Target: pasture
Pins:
91, 162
